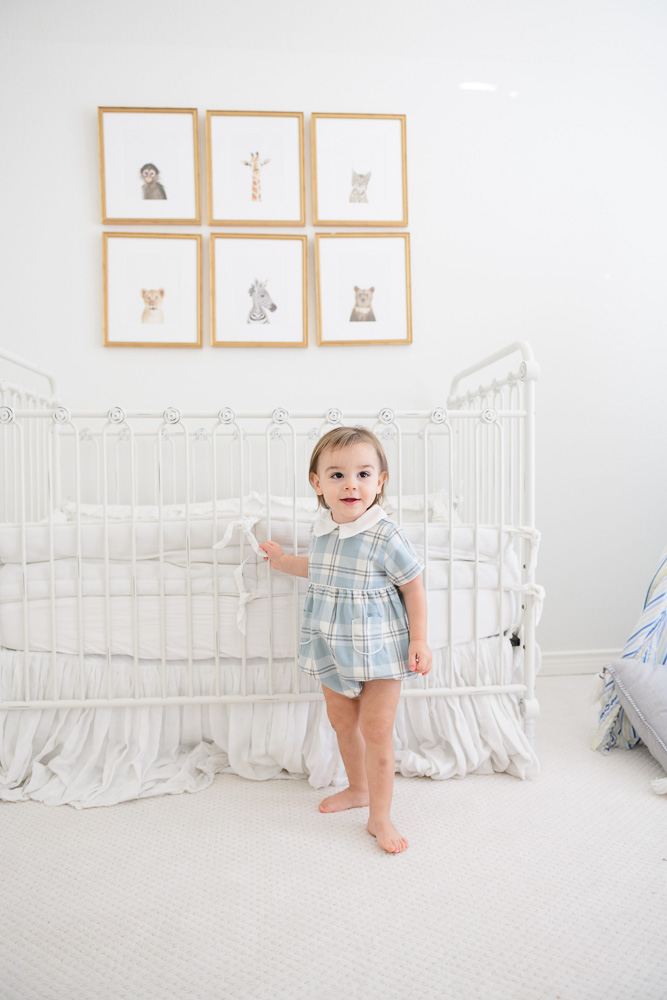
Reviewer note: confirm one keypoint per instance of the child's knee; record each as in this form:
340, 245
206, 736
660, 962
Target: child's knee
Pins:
378, 731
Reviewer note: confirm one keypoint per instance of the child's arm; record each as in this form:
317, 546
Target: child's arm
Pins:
295, 565
414, 596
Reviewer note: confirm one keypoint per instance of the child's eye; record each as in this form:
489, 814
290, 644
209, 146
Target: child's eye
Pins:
364, 474
337, 475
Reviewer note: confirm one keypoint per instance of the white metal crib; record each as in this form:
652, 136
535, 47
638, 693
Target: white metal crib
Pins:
122, 491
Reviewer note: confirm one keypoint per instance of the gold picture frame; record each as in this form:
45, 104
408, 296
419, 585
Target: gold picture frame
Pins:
167, 195
139, 289
248, 260
382, 308
238, 140
375, 191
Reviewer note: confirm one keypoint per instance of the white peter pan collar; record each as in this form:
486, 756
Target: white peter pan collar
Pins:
324, 522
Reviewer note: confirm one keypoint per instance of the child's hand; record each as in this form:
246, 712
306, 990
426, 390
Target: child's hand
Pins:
420, 656
273, 552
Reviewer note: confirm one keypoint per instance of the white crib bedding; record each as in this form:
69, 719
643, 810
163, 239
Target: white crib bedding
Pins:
126, 554
150, 577
147, 539
96, 757
252, 617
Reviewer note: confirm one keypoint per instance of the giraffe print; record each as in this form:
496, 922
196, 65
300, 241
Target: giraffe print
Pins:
256, 165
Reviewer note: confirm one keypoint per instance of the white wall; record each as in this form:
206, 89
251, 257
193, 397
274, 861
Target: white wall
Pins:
537, 211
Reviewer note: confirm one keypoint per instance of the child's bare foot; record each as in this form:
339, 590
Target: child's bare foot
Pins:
387, 836
347, 799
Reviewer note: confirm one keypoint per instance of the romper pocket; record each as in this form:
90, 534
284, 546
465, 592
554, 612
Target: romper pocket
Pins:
367, 635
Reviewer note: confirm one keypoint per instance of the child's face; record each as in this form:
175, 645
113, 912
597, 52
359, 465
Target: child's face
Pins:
349, 479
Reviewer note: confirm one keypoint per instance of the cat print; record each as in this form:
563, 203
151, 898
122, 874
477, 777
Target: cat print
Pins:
359, 186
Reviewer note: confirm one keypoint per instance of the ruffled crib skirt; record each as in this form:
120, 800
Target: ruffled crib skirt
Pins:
88, 757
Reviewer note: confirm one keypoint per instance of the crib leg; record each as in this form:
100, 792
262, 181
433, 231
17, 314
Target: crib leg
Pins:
530, 709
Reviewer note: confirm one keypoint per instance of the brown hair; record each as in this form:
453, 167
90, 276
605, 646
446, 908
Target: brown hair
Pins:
344, 437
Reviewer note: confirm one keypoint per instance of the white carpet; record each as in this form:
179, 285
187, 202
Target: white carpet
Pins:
550, 889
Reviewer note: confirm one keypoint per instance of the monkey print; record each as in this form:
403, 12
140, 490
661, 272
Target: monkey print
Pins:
363, 309
152, 190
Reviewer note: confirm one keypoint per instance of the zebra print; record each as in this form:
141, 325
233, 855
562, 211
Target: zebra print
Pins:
261, 301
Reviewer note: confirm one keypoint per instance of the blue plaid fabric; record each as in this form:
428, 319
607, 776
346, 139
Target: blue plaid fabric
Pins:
355, 627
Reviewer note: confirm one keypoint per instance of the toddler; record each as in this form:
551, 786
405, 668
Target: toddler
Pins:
364, 621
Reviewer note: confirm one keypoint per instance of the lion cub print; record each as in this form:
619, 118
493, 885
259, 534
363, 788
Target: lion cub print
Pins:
153, 305
363, 310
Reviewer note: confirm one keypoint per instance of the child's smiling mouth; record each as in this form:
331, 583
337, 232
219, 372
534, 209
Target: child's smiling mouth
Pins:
350, 500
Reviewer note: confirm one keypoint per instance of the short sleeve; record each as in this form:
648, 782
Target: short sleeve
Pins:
402, 564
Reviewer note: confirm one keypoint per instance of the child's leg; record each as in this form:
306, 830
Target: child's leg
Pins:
343, 715
376, 720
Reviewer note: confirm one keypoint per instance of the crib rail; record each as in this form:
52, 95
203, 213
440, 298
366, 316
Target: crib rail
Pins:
469, 464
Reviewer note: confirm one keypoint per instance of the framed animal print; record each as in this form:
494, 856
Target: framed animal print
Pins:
359, 170
363, 288
259, 293
255, 168
152, 290
149, 166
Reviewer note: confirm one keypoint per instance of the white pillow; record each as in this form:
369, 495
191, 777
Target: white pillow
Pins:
642, 691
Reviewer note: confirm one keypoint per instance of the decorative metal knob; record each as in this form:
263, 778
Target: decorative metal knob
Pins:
116, 415
61, 415
314, 433
124, 434
386, 416
226, 415
171, 415
334, 416
6, 415
201, 433
85, 434
529, 370
280, 415
439, 416
490, 416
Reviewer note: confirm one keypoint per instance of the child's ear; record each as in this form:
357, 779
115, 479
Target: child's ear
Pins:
382, 478
315, 483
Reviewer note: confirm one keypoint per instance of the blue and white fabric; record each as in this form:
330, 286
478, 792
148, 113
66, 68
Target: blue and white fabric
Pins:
355, 627
647, 643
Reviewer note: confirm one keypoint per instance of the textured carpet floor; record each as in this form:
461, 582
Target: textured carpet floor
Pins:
552, 889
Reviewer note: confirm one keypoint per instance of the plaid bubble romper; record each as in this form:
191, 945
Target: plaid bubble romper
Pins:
355, 627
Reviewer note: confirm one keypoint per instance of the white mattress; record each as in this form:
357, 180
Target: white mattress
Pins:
230, 637
72, 551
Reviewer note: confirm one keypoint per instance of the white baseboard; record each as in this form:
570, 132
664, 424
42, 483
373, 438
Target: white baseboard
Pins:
577, 661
